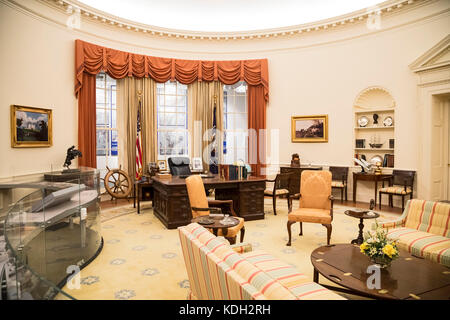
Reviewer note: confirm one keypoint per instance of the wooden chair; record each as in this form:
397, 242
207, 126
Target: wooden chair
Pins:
280, 188
401, 184
316, 202
201, 206
339, 177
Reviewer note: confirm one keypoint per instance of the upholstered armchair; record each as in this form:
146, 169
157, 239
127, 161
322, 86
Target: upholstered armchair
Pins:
401, 184
316, 202
201, 206
280, 188
179, 166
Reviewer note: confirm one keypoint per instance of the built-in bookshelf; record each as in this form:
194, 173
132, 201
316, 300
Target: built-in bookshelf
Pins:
374, 126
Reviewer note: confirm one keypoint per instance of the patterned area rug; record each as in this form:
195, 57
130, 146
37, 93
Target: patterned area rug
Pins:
141, 259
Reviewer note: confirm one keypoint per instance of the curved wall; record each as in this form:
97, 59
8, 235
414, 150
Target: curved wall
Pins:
320, 72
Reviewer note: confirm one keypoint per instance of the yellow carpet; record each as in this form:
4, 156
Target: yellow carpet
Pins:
141, 259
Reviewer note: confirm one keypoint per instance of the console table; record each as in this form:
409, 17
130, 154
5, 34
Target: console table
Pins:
368, 177
171, 201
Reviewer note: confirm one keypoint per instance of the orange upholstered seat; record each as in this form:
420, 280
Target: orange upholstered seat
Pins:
316, 202
198, 200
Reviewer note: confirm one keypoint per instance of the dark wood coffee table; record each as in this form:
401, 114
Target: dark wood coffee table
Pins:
408, 277
361, 215
217, 224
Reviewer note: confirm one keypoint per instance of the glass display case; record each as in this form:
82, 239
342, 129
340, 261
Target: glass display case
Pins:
50, 234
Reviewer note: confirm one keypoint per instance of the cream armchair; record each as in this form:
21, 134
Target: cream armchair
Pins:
201, 206
316, 202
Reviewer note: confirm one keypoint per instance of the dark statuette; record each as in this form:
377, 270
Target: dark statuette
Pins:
375, 118
295, 161
72, 153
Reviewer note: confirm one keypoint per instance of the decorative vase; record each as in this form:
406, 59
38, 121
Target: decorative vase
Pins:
382, 261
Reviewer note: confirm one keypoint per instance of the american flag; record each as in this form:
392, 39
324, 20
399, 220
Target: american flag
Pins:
139, 145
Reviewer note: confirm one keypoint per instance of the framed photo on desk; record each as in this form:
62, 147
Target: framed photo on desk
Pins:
162, 165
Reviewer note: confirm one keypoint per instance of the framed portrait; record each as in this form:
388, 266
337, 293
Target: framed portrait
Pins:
162, 164
197, 164
31, 127
309, 128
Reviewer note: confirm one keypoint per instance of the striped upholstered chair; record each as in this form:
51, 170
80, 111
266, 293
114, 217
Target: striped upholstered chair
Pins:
217, 272
423, 230
201, 206
316, 202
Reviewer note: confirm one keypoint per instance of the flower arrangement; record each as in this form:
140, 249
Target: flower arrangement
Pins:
379, 248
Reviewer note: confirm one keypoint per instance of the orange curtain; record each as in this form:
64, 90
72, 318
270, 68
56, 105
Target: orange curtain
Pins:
90, 59
87, 122
256, 124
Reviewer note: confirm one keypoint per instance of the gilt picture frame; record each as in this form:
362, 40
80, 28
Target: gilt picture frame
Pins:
31, 127
309, 128
162, 164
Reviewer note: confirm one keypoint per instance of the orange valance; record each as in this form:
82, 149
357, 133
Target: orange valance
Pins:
92, 59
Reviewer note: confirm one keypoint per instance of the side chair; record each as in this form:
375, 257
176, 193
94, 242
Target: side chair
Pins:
280, 188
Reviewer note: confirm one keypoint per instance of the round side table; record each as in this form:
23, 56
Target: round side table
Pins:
361, 215
215, 224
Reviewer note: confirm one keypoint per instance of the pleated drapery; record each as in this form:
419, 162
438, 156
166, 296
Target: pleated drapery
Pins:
257, 129
87, 135
201, 98
128, 92
91, 59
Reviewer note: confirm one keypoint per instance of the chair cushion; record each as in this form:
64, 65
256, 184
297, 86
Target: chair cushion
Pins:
422, 244
310, 215
395, 190
428, 216
278, 192
337, 184
233, 231
289, 277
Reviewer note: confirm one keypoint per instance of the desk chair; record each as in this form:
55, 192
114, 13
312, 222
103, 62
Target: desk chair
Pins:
201, 206
179, 166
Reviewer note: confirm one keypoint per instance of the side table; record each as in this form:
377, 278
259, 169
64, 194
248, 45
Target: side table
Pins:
361, 215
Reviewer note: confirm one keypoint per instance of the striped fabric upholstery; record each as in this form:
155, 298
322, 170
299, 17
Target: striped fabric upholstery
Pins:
422, 244
395, 190
278, 192
423, 230
337, 184
299, 284
216, 272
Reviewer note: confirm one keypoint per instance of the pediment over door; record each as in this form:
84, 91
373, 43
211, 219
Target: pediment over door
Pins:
434, 65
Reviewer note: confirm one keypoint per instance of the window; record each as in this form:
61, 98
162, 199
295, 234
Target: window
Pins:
107, 148
172, 125
235, 123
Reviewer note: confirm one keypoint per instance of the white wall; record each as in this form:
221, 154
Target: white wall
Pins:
317, 73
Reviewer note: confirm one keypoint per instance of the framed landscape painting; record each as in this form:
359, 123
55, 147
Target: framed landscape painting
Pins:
30, 127
309, 128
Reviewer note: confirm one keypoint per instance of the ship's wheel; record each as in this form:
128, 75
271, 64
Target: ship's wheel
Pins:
118, 183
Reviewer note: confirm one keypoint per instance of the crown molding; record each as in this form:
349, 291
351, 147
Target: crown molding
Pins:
390, 7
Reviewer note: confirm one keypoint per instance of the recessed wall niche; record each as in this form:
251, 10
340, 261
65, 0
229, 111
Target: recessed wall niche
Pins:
374, 126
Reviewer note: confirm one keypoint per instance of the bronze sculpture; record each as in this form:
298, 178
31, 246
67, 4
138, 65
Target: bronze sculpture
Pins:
72, 153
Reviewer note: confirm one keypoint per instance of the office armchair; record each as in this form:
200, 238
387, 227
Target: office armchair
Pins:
179, 166
201, 206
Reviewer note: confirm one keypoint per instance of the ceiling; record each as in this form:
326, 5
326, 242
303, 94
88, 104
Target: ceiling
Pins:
227, 15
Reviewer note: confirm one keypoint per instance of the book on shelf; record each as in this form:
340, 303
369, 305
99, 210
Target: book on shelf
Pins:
388, 160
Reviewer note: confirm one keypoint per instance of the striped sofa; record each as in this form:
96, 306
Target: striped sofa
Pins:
423, 230
217, 272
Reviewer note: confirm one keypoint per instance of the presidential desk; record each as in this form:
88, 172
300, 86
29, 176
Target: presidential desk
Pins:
171, 201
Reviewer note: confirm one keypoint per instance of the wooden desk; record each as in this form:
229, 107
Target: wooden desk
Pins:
294, 187
368, 177
171, 201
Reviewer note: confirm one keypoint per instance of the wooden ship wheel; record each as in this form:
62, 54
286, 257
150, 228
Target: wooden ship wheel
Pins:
118, 183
